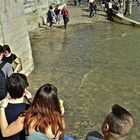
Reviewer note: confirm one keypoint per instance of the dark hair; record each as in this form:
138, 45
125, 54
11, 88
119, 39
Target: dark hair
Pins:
120, 120
45, 111
7, 48
1, 49
23, 76
16, 85
50, 7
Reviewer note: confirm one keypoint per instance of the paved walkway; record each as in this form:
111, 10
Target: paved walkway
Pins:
80, 15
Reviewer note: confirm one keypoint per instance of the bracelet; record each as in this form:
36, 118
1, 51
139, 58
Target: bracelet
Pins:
2, 107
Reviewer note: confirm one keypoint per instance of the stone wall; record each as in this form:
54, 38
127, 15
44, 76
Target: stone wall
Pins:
14, 32
17, 19
36, 11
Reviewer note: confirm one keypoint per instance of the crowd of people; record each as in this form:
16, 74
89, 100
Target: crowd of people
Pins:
7, 59
23, 117
111, 7
53, 15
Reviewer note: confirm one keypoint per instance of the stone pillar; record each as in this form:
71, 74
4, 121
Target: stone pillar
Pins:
14, 32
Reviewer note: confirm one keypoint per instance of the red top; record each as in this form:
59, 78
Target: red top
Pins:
65, 12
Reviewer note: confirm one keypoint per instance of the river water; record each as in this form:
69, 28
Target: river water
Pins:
93, 67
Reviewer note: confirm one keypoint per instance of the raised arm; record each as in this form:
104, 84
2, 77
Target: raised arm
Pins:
14, 127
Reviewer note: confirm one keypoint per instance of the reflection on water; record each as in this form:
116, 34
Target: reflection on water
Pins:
94, 67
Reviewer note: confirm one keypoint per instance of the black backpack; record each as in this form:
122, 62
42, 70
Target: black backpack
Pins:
3, 91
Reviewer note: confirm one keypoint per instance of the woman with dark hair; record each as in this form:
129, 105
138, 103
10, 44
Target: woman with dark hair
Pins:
43, 120
11, 58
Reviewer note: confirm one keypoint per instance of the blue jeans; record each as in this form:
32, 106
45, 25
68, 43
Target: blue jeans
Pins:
57, 18
66, 137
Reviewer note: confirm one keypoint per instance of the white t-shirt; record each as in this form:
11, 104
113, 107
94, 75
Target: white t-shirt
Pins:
110, 5
91, 1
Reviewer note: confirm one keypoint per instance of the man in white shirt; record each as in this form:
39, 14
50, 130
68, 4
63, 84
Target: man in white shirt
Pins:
91, 1
109, 10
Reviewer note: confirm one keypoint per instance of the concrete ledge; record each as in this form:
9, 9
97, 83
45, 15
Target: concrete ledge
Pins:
124, 20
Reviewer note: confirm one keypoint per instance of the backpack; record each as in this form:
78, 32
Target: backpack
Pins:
3, 91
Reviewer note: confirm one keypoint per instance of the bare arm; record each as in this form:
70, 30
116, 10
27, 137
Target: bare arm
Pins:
18, 64
62, 107
28, 96
13, 128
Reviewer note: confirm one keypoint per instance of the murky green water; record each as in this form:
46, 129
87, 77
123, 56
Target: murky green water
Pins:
94, 67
